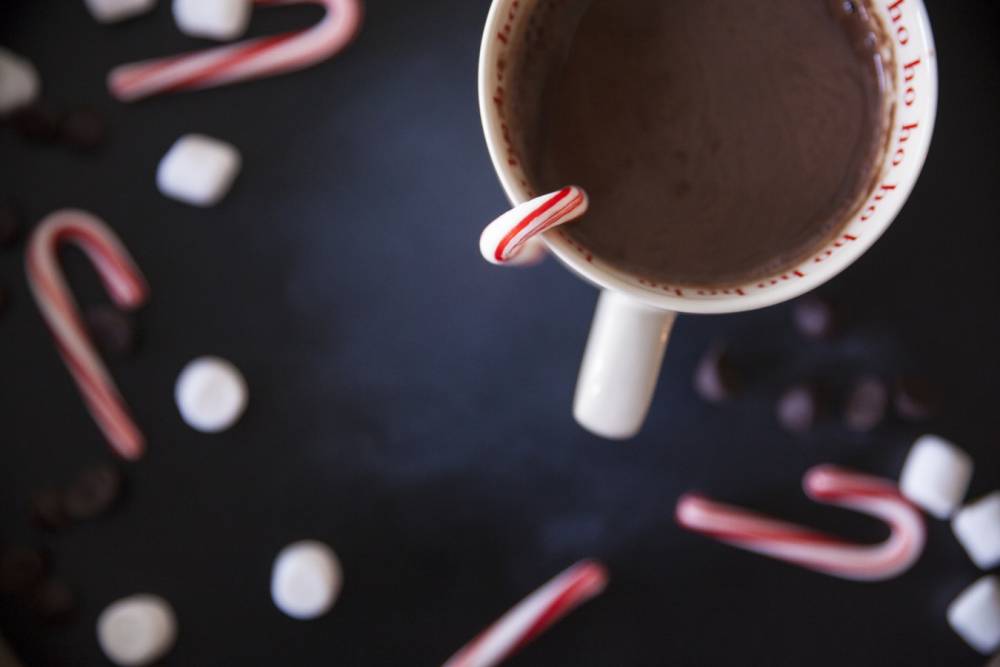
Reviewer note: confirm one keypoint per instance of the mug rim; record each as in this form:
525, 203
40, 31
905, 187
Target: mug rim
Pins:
784, 286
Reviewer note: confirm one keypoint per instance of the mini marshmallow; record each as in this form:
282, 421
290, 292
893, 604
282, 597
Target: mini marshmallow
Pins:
977, 527
111, 11
936, 475
19, 82
137, 630
306, 579
975, 615
211, 394
198, 170
216, 19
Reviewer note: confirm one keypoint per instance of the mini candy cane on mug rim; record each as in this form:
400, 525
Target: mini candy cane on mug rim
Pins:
127, 287
249, 59
813, 550
533, 615
511, 238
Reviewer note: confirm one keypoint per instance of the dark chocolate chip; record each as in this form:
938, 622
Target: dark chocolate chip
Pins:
814, 317
37, 123
93, 493
866, 404
112, 330
53, 600
48, 509
21, 568
798, 408
915, 399
10, 224
84, 129
716, 378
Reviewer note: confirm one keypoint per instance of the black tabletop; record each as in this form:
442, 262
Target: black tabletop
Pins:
410, 404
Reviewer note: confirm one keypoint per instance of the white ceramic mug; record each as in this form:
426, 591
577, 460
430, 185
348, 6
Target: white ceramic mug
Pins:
634, 315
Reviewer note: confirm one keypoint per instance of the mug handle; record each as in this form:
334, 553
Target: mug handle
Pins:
621, 365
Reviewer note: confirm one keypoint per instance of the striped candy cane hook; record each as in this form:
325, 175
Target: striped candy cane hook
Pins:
510, 239
249, 59
532, 616
813, 550
127, 288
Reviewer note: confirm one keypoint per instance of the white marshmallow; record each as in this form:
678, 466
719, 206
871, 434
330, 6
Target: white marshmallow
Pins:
306, 579
111, 11
977, 527
936, 475
975, 614
19, 82
216, 19
137, 630
198, 170
211, 394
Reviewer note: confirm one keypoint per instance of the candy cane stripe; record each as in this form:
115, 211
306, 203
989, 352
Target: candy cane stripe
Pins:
509, 238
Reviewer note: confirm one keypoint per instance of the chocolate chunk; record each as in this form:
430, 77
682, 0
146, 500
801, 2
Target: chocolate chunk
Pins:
814, 317
93, 493
53, 600
716, 378
10, 224
798, 408
866, 404
112, 330
84, 129
915, 398
37, 123
48, 509
21, 568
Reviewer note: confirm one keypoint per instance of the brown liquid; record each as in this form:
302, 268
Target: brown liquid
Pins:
720, 140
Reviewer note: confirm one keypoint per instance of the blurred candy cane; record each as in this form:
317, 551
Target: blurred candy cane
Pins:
532, 616
249, 59
127, 288
510, 239
816, 551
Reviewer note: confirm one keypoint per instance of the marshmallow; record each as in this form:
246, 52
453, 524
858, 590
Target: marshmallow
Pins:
977, 527
936, 475
110, 11
198, 170
216, 19
137, 630
975, 615
211, 394
306, 579
19, 83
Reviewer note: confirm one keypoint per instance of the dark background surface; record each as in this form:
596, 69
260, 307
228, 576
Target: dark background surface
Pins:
410, 404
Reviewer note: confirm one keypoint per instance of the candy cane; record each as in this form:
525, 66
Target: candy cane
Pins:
127, 288
510, 239
816, 551
249, 59
532, 616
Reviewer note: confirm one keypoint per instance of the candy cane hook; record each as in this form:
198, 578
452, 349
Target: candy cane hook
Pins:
127, 288
813, 550
510, 239
532, 616
249, 59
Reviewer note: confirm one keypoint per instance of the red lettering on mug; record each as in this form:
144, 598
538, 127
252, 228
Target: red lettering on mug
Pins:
906, 131
910, 70
909, 96
896, 11
880, 195
897, 158
903, 35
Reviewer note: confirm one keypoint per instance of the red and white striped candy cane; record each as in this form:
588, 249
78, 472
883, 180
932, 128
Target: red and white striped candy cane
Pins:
532, 616
249, 59
127, 288
813, 550
510, 239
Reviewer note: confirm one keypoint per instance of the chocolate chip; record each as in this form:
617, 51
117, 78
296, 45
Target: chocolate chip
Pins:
112, 330
915, 398
37, 123
10, 224
84, 129
866, 404
21, 568
93, 493
48, 509
798, 408
814, 317
53, 600
716, 378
